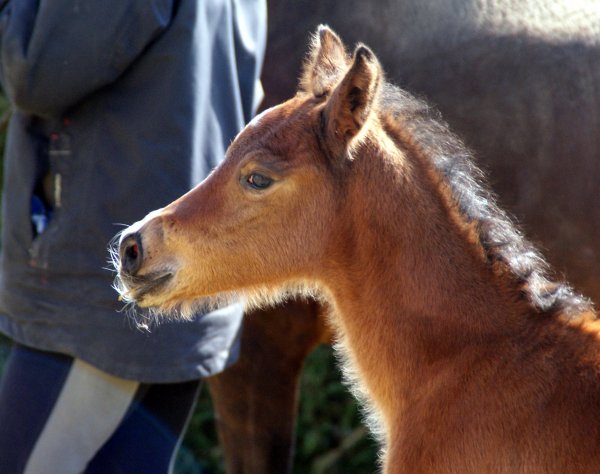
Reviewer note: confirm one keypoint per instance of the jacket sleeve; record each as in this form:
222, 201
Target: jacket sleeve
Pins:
53, 53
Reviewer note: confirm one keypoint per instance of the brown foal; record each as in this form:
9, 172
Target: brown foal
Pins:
469, 357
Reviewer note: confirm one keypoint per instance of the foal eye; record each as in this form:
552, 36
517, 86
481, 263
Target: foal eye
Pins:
259, 181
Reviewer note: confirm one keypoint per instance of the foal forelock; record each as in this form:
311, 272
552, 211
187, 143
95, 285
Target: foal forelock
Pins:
504, 245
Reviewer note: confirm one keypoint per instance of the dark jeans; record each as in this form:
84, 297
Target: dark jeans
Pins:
144, 438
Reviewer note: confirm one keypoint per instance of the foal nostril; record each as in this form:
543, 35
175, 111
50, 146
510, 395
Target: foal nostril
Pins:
131, 254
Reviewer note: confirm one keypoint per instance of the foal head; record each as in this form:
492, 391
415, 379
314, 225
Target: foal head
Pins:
261, 224
347, 159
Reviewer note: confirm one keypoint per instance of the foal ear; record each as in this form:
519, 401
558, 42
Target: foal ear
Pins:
351, 102
326, 62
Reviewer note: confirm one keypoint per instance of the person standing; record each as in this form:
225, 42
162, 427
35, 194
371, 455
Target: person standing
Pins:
118, 108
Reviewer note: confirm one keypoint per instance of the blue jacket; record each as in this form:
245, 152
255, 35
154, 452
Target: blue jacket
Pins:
119, 107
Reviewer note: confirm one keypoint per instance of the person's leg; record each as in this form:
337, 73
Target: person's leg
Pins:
55, 413
61, 415
147, 439
30, 385
89, 409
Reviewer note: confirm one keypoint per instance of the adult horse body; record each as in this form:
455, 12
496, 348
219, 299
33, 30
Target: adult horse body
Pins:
469, 356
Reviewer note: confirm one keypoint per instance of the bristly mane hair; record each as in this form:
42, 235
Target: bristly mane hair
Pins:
501, 239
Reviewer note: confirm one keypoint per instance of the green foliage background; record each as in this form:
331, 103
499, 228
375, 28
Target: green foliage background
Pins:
330, 436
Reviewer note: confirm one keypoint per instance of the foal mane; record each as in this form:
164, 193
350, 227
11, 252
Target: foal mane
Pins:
505, 247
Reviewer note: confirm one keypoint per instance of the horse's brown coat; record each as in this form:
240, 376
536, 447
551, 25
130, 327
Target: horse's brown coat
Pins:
472, 360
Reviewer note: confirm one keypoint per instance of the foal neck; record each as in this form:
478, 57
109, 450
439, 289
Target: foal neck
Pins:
414, 292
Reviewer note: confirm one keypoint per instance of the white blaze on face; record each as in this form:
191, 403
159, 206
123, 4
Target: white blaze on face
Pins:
139, 224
